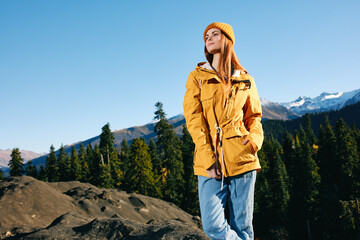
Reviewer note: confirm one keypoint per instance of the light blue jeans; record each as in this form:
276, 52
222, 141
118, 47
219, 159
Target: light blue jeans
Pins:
239, 190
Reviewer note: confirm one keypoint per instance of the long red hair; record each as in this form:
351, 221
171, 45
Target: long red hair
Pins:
228, 59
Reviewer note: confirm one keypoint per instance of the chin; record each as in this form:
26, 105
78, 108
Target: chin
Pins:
213, 51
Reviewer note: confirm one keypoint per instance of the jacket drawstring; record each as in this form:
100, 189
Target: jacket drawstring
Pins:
219, 130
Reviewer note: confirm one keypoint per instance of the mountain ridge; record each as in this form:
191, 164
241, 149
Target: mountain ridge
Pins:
324, 102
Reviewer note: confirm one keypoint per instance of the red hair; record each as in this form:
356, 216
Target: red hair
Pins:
228, 58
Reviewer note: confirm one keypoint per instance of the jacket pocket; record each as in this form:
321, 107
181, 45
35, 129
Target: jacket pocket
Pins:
241, 94
207, 92
236, 152
207, 98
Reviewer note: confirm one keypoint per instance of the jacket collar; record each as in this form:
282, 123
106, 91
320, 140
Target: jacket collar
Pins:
207, 67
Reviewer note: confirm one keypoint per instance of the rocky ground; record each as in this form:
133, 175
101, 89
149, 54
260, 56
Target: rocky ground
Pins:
32, 209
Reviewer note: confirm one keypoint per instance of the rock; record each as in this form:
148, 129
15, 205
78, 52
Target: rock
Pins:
32, 209
118, 228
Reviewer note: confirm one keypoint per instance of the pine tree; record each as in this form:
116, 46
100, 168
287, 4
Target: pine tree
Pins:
43, 174
327, 154
278, 181
76, 171
116, 172
305, 188
262, 207
30, 170
326, 157
86, 174
106, 142
349, 219
106, 180
52, 166
156, 162
108, 151
309, 131
356, 136
64, 165
141, 174
347, 159
16, 163
93, 164
288, 155
125, 160
263, 198
272, 193
124, 151
102, 170
89, 154
169, 150
190, 197
85, 169
82, 154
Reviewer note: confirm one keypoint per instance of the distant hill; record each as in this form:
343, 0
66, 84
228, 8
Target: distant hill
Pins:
146, 131
272, 110
5, 156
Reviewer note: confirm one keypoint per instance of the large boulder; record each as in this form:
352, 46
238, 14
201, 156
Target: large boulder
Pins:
32, 209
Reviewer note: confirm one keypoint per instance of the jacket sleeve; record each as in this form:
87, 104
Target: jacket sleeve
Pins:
196, 123
252, 117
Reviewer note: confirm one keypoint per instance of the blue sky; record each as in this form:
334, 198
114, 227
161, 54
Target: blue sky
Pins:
69, 67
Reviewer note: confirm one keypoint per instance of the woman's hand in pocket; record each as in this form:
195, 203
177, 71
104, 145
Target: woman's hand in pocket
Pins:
214, 171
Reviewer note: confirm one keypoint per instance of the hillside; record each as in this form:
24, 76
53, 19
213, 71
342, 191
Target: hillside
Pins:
146, 131
276, 111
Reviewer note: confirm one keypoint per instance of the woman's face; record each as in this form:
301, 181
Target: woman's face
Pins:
213, 40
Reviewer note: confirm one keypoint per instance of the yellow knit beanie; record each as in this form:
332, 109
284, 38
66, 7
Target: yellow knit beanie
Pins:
224, 27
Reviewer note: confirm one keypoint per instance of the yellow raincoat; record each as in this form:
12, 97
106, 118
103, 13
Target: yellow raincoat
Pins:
219, 122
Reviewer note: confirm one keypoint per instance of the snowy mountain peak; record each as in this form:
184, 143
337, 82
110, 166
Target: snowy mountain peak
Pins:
298, 102
324, 102
325, 95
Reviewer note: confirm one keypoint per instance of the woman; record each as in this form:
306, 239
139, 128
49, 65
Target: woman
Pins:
223, 115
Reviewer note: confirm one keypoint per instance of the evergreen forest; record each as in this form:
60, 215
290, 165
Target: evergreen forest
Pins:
308, 187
